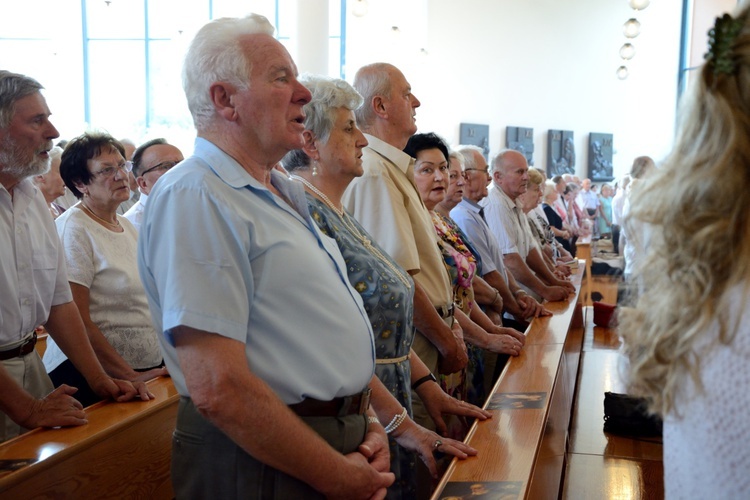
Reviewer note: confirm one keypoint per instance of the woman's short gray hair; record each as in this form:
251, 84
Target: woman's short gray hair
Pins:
216, 55
456, 155
328, 95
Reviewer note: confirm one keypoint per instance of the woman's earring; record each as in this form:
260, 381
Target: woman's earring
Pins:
315, 168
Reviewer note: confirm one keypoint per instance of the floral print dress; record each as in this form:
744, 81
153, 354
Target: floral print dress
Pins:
389, 304
467, 385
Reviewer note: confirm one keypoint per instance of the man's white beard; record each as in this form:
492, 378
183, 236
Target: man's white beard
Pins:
15, 163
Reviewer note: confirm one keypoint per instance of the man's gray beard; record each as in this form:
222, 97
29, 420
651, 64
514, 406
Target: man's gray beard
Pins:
13, 163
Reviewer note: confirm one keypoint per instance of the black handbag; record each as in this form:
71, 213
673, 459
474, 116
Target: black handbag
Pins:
628, 416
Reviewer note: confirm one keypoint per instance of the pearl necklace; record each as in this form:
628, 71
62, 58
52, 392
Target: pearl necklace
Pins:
344, 216
115, 224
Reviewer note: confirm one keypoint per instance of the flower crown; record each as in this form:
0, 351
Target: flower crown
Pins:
721, 37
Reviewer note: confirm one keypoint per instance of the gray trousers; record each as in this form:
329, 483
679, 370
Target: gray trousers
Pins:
208, 464
30, 374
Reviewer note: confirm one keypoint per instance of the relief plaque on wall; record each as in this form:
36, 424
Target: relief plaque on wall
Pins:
521, 139
600, 157
477, 135
561, 153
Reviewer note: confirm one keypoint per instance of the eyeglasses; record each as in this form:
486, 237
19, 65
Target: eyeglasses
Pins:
161, 167
429, 170
485, 170
108, 172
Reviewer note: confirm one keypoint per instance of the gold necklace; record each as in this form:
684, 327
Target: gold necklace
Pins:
115, 224
344, 216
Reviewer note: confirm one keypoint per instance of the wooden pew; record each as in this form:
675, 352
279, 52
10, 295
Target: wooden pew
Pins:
601, 465
123, 452
522, 450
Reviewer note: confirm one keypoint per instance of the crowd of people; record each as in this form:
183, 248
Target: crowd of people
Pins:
318, 279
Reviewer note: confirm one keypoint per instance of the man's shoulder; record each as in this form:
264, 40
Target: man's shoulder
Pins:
374, 165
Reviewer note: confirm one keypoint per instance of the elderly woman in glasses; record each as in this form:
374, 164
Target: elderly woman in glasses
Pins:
330, 159
100, 252
432, 177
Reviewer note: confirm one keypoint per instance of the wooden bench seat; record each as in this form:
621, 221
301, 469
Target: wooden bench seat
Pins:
123, 452
522, 447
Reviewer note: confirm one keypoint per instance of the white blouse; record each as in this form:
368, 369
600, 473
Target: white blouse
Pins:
106, 263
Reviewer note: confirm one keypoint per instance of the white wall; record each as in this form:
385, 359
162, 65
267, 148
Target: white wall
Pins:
532, 63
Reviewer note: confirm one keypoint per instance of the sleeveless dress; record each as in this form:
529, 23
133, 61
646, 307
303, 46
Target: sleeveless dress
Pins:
389, 304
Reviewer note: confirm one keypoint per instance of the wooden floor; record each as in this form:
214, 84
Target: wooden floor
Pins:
599, 465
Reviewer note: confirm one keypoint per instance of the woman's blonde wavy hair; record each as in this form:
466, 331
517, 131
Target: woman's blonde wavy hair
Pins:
699, 239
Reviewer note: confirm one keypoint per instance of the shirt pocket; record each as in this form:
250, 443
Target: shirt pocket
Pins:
44, 269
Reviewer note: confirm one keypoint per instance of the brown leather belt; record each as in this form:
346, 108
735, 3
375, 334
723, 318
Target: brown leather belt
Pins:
338, 407
21, 350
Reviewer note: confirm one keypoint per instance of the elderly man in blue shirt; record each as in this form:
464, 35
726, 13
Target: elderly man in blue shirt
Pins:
268, 345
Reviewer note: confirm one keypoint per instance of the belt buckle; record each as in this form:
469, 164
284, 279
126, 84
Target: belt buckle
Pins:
364, 403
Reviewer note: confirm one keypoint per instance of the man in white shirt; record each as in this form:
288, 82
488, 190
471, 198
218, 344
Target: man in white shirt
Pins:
33, 277
508, 224
151, 160
590, 204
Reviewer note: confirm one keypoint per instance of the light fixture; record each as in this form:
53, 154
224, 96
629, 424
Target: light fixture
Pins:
622, 72
639, 4
627, 51
359, 8
631, 28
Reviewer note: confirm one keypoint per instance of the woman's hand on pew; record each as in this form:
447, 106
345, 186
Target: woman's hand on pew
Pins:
502, 343
424, 442
120, 390
438, 403
148, 375
531, 308
502, 330
58, 408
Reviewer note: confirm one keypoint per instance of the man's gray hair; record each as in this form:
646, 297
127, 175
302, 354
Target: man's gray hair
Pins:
215, 55
328, 95
14, 87
469, 159
498, 160
370, 81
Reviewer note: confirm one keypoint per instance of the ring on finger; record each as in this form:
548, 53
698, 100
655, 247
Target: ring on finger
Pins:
437, 444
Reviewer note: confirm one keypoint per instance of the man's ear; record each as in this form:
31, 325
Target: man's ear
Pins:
311, 145
379, 106
222, 96
141, 184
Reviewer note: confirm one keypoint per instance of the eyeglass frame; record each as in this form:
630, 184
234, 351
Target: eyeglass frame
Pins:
485, 170
160, 166
109, 172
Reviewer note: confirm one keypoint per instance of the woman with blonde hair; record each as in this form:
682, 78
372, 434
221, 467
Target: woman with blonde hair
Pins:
688, 338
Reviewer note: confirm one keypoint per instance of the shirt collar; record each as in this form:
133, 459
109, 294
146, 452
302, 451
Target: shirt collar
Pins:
504, 198
470, 205
402, 160
232, 173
